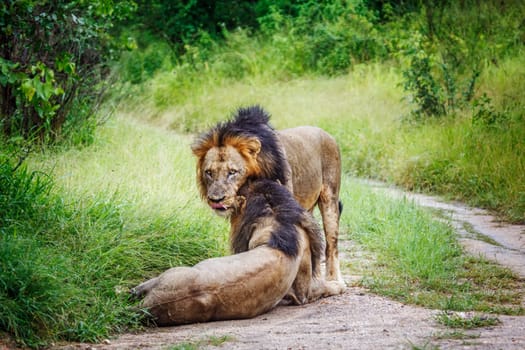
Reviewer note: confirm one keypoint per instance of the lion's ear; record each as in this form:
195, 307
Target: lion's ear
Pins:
199, 149
241, 202
203, 144
252, 147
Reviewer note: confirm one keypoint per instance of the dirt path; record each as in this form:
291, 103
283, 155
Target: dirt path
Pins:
358, 319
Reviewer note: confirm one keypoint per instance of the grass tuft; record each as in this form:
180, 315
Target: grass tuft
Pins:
466, 321
214, 341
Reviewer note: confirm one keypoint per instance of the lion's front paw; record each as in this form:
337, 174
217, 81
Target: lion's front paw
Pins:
336, 287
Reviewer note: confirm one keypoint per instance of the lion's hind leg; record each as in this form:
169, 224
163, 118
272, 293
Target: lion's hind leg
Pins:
308, 285
330, 207
142, 289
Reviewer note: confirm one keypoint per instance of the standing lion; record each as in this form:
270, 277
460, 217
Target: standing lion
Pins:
304, 159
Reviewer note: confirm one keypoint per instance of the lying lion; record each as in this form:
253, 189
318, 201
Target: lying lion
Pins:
278, 247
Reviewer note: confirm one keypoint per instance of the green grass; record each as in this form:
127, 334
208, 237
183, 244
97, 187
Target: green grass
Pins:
116, 214
202, 343
480, 165
454, 320
418, 260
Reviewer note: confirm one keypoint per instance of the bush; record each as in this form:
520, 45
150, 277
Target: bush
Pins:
437, 86
52, 59
336, 35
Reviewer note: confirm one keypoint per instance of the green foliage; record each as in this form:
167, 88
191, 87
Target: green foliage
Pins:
51, 60
453, 44
288, 39
435, 83
418, 259
139, 66
486, 115
330, 37
68, 260
182, 22
296, 38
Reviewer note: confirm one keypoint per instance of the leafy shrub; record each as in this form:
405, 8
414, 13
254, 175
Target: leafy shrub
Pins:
326, 37
436, 85
486, 115
51, 57
181, 23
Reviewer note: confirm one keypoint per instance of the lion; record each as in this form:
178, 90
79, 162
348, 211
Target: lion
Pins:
278, 247
305, 159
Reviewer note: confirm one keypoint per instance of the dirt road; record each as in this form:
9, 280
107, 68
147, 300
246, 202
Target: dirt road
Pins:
358, 319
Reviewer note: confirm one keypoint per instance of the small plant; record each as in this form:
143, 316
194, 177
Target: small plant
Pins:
485, 114
455, 335
199, 344
434, 80
420, 81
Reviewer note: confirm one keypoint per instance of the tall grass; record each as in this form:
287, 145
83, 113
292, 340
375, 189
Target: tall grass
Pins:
146, 175
481, 165
418, 259
115, 214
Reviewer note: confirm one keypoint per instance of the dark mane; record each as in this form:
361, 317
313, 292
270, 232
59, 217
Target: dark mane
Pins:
265, 198
252, 122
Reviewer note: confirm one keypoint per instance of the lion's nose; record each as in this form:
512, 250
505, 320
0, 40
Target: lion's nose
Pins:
216, 199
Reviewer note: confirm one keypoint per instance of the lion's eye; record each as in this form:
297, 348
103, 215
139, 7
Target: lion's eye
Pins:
208, 173
232, 172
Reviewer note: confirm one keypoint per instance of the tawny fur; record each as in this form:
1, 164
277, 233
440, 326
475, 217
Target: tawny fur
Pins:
305, 159
279, 259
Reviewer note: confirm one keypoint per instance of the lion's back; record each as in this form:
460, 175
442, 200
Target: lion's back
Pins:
313, 155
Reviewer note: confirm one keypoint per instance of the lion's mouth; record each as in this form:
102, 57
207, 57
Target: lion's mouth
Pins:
218, 206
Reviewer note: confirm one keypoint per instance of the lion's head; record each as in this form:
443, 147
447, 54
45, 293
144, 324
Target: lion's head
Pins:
244, 147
